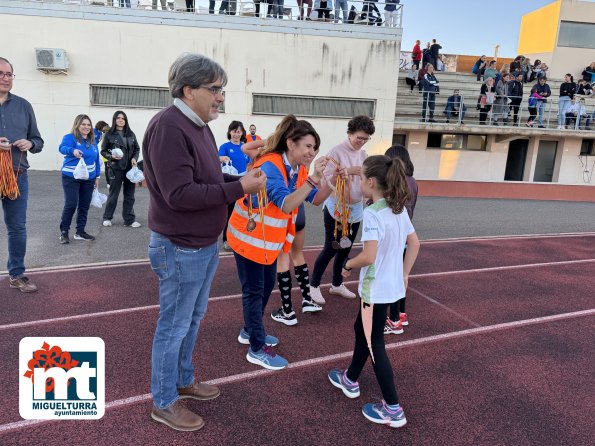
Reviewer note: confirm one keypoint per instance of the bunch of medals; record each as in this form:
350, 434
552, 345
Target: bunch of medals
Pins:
342, 211
263, 201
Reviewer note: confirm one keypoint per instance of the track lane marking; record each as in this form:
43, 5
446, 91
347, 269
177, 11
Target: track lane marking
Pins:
8, 427
237, 296
444, 307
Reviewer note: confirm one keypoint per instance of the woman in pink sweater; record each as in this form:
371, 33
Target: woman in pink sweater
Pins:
350, 155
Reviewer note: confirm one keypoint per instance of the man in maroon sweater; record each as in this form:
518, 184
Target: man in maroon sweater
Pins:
187, 213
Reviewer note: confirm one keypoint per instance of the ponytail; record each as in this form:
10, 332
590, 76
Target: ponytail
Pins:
391, 178
289, 128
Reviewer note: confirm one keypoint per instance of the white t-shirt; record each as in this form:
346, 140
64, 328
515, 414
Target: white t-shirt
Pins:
382, 282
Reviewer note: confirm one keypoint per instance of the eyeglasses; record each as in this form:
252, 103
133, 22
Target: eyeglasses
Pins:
7, 75
214, 89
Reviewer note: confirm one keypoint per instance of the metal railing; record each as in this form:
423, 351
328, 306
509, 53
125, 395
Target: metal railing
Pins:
370, 12
511, 111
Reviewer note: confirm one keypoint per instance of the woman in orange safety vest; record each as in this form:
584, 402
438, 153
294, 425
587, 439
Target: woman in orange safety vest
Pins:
259, 231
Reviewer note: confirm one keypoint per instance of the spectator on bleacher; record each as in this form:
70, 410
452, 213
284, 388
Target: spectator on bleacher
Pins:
252, 136
455, 106
544, 92
228, 7
416, 54
532, 104
527, 69
425, 56
589, 73
501, 103
420, 77
391, 13
277, 8
124, 3
584, 88
341, 5
479, 67
163, 5
515, 93
539, 69
434, 52
575, 112
567, 91
430, 87
411, 78
189, 5
323, 8
487, 95
439, 63
490, 71
371, 13
515, 65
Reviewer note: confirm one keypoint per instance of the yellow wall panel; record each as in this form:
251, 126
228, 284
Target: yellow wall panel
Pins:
539, 30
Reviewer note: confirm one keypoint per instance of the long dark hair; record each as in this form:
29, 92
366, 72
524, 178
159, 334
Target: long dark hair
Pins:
126, 130
289, 128
233, 126
400, 152
391, 178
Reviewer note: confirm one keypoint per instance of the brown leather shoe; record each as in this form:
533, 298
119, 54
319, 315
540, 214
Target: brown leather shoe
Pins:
23, 284
178, 417
199, 391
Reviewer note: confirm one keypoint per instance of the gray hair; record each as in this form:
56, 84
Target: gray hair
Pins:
6, 60
193, 70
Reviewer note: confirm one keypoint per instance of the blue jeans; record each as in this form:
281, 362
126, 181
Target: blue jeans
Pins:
540, 110
185, 277
563, 103
341, 4
124, 3
258, 282
15, 218
77, 194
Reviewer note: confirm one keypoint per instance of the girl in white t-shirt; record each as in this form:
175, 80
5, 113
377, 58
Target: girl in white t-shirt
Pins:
383, 279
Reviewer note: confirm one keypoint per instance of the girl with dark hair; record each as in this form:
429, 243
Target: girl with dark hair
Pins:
263, 225
386, 230
350, 154
122, 138
397, 316
78, 144
231, 152
567, 91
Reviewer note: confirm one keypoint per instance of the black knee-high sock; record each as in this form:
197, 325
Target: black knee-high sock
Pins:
303, 278
284, 282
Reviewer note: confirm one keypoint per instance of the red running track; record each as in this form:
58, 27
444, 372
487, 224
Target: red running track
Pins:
460, 383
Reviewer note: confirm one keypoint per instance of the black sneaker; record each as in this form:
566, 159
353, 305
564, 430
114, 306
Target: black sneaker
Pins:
83, 236
310, 307
64, 239
287, 319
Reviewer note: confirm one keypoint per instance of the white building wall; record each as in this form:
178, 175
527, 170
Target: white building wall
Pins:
299, 60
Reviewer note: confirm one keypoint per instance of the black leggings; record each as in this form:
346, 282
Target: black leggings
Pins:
328, 252
381, 364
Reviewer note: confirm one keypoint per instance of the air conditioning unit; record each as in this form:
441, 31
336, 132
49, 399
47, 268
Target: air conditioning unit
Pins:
51, 59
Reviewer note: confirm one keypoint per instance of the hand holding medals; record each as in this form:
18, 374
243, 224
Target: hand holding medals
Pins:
342, 211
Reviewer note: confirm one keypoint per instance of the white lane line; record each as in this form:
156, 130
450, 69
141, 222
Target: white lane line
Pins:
237, 296
118, 263
444, 307
329, 358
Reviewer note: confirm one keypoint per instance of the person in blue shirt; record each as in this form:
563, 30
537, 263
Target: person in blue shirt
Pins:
231, 151
78, 144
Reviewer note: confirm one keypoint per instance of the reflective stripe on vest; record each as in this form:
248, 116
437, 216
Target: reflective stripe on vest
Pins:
277, 230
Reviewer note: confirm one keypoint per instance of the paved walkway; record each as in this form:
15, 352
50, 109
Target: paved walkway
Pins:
434, 218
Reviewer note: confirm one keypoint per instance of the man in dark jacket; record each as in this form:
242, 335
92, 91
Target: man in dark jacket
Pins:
515, 93
455, 106
434, 51
19, 135
425, 55
543, 90
430, 87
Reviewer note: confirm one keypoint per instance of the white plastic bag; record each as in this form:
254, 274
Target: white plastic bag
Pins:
80, 171
117, 154
135, 175
98, 199
229, 169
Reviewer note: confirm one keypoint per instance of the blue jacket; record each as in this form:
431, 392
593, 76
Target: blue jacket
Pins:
90, 155
238, 159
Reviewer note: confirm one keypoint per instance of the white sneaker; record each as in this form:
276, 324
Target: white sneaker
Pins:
560, 127
316, 295
107, 223
341, 290
135, 224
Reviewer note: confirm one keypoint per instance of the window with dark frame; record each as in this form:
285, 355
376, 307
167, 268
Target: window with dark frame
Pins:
456, 141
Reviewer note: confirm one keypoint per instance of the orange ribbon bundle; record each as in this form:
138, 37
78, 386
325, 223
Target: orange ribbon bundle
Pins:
342, 212
46, 358
8, 180
263, 201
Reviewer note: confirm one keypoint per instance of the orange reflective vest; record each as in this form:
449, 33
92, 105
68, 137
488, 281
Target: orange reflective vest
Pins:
277, 230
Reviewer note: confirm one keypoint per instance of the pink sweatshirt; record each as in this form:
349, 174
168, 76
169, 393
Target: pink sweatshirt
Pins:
347, 156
